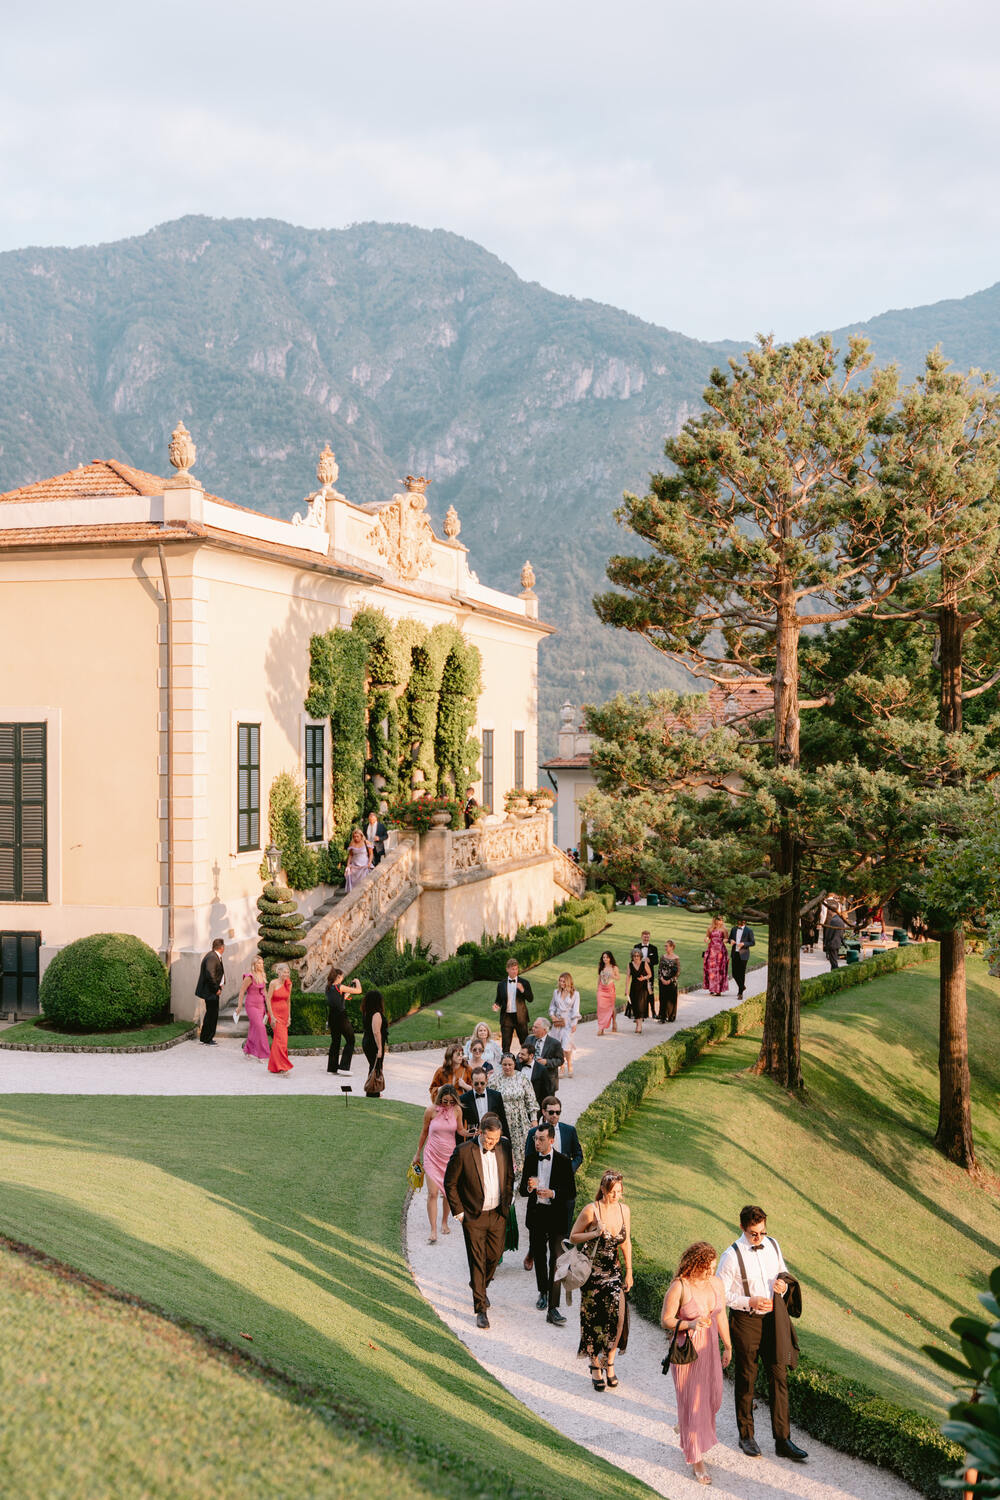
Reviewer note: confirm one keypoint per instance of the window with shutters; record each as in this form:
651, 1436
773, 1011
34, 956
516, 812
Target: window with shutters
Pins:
247, 787
519, 760
19, 972
488, 769
314, 783
23, 832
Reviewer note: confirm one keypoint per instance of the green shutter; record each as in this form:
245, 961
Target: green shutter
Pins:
23, 820
247, 787
314, 783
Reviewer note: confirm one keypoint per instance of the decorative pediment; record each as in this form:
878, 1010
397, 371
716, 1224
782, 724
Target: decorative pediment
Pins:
402, 534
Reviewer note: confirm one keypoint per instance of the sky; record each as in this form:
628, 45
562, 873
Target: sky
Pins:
721, 169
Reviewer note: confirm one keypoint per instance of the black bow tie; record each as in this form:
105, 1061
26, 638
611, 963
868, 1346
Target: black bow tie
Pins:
755, 1248
545, 1157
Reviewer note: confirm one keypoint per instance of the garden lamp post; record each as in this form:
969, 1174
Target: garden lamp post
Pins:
273, 856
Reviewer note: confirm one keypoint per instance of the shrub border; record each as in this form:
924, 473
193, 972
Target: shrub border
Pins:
846, 1414
175, 1041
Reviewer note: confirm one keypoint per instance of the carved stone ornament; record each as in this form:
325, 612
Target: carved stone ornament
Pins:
527, 577
327, 470
452, 525
326, 473
402, 535
183, 453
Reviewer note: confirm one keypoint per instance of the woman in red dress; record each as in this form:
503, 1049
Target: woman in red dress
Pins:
716, 959
279, 1004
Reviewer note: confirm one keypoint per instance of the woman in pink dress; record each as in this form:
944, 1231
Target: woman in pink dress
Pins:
359, 861
607, 976
439, 1135
253, 998
279, 1005
715, 959
696, 1304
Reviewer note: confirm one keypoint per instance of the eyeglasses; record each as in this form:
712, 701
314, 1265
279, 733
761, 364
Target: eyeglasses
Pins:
556, 1112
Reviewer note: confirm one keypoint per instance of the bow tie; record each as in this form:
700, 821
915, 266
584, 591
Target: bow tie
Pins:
755, 1248
545, 1157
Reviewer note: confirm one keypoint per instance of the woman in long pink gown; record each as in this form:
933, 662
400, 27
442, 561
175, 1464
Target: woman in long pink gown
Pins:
715, 965
253, 992
607, 975
439, 1135
696, 1303
279, 1002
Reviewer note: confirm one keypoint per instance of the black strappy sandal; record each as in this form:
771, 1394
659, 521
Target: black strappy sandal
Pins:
598, 1384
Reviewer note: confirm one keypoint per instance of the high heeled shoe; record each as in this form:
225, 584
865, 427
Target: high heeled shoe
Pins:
598, 1384
611, 1378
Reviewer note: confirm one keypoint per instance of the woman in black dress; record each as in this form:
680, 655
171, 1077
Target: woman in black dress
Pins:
669, 968
639, 976
375, 1035
604, 1229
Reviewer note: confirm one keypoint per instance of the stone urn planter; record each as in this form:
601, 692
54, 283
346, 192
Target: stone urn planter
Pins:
441, 819
517, 808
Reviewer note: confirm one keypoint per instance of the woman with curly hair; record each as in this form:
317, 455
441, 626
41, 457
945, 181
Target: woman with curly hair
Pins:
696, 1305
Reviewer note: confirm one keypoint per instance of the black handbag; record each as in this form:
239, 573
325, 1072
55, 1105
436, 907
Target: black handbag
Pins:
681, 1351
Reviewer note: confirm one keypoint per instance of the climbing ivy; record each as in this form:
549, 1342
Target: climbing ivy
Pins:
422, 697
456, 752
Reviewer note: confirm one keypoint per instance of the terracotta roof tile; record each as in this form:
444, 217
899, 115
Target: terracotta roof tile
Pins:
126, 531
567, 763
105, 476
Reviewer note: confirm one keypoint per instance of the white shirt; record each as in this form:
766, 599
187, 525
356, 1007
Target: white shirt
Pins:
511, 996
543, 1174
482, 1103
491, 1179
763, 1266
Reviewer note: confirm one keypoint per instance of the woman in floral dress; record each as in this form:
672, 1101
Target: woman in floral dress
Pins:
604, 1229
715, 964
520, 1105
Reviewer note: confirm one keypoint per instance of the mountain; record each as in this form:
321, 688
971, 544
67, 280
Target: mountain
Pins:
409, 351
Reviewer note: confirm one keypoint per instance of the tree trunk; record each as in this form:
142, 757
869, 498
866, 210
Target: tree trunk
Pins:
780, 1049
954, 1128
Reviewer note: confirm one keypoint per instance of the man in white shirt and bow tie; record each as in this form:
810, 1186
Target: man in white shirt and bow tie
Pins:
513, 997
742, 939
753, 1273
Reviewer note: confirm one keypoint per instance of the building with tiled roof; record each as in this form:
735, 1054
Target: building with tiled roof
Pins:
154, 634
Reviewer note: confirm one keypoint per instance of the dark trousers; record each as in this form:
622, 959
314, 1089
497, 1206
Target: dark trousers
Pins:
370, 1048
753, 1335
740, 970
340, 1030
509, 1023
668, 1001
833, 956
545, 1237
211, 1020
484, 1237
651, 1003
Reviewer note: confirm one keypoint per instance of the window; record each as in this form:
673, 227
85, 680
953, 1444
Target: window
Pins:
488, 769
314, 783
19, 972
23, 871
518, 760
248, 787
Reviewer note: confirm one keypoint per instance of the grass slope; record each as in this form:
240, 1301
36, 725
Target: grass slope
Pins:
39, 1035
461, 1011
280, 1218
891, 1242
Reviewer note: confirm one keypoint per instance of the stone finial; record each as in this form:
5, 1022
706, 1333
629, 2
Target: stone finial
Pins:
567, 717
327, 470
416, 484
527, 578
452, 525
183, 453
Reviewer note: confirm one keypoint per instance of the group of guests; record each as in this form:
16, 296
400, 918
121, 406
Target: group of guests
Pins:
650, 985
267, 1006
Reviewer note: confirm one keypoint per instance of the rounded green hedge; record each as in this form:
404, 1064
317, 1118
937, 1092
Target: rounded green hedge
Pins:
107, 982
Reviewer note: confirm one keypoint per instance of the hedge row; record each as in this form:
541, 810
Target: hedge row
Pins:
841, 1412
575, 922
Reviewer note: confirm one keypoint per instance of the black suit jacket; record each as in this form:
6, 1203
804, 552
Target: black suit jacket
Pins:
653, 958
545, 1070
494, 1103
378, 841
523, 1000
463, 1178
748, 938
569, 1144
563, 1184
210, 977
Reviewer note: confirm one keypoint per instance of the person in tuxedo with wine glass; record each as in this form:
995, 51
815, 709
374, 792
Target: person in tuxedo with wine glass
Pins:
513, 997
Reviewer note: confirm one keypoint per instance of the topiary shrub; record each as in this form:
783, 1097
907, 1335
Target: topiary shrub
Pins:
110, 981
280, 925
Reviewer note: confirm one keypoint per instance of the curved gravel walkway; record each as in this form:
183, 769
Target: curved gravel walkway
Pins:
633, 1426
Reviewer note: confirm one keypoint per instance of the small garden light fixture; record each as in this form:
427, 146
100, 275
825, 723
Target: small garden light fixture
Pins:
273, 856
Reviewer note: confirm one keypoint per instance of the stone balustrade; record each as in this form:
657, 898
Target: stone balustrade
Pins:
356, 923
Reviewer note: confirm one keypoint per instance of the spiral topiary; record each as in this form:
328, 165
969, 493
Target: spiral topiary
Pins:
110, 981
279, 924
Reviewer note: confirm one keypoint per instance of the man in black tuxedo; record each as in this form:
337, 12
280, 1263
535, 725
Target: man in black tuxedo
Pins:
549, 1058
375, 837
479, 1186
742, 939
512, 1000
565, 1141
480, 1101
549, 1186
651, 952
209, 989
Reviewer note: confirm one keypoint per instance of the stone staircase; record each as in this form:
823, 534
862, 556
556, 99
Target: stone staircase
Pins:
347, 927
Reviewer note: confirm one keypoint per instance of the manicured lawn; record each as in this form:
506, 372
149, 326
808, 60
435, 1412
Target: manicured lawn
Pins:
44, 1036
107, 1400
461, 1011
889, 1240
279, 1218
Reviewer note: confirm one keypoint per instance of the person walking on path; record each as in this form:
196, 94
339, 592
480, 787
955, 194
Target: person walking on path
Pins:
834, 927
715, 961
564, 1012
548, 1059
639, 979
491, 1050
479, 1183
452, 1070
439, 1132
376, 1029
513, 997
479, 1101
695, 1304
607, 978
651, 954
754, 1274
211, 978
667, 971
564, 1140
520, 1106
359, 861
548, 1183
279, 1006
742, 940
375, 837
253, 999
605, 1227
340, 1025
